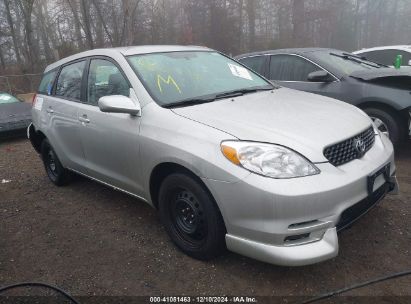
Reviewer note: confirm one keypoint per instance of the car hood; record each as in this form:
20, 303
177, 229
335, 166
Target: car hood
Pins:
374, 74
304, 122
14, 111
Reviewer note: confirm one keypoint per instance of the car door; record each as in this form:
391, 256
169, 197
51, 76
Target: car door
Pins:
61, 117
110, 140
292, 71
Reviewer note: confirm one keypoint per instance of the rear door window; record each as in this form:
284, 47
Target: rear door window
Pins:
256, 63
46, 84
290, 68
105, 79
69, 81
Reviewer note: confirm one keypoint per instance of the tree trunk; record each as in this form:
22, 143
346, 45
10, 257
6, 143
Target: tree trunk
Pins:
85, 14
284, 26
33, 54
240, 25
42, 31
103, 23
2, 61
77, 24
12, 31
298, 23
250, 4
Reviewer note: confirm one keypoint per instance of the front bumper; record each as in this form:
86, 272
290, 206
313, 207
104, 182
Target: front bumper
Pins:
294, 222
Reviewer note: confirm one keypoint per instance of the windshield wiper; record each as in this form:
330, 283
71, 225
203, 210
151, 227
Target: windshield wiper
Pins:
357, 59
241, 92
363, 58
210, 98
189, 102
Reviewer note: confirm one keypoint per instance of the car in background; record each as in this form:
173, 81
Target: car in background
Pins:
382, 92
15, 115
387, 54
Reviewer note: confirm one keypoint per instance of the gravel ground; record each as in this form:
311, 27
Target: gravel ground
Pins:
91, 240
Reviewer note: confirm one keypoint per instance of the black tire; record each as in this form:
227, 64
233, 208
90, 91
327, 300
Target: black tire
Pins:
182, 199
393, 121
54, 169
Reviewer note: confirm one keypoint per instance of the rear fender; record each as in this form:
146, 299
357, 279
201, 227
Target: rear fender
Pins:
35, 137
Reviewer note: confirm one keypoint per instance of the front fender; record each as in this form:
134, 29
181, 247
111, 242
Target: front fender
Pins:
169, 138
391, 97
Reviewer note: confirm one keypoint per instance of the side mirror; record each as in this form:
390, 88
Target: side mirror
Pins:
320, 76
118, 104
409, 63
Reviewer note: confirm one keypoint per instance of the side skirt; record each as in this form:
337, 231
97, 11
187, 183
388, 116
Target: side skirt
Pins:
111, 186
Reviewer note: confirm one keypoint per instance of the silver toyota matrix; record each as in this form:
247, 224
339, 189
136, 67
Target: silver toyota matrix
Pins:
229, 159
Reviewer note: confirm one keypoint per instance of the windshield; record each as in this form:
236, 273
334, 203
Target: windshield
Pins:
180, 76
342, 63
7, 98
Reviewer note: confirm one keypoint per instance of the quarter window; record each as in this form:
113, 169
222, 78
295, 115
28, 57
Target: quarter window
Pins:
46, 83
69, 81
255, 63
290, 68
105, 79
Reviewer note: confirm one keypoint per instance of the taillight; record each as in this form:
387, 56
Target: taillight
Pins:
33, 101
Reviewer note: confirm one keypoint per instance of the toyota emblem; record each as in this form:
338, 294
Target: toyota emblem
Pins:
359, 146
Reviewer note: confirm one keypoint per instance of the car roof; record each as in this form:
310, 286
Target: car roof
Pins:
127, 51
298, 51
406, 48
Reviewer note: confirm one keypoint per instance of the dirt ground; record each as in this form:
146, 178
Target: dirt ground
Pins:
92, 240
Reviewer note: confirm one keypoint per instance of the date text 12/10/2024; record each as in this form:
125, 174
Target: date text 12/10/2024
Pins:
203, 299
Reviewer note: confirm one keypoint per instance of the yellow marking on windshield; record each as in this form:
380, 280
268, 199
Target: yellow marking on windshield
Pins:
168, 81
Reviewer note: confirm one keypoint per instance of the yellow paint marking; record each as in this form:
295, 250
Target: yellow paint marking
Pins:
167, 81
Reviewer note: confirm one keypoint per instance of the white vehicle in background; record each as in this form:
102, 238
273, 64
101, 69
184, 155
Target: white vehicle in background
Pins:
387, 54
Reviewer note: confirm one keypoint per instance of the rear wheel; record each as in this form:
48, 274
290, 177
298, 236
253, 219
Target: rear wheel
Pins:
191, 217
388, 122
54, 169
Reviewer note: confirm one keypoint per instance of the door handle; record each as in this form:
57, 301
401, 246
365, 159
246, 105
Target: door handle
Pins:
50, 111
84, 119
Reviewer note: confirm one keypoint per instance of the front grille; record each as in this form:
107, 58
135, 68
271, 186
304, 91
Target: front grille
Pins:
350, 149
353, 213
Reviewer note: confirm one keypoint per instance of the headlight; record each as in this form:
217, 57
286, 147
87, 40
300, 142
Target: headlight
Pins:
268, 159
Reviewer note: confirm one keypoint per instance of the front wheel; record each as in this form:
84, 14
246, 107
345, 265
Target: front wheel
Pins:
388, 123
191, 217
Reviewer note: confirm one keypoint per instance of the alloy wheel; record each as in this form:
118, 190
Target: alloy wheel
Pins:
381, 126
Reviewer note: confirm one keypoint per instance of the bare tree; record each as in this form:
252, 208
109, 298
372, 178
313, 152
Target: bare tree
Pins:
102, 21
298, 23
250, 7
85, 16
12, 31
34, 33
